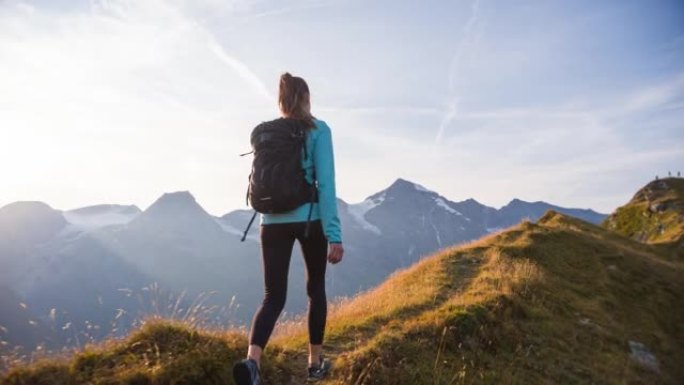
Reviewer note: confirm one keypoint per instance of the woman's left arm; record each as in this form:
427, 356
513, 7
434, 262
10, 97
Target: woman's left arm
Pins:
324, 163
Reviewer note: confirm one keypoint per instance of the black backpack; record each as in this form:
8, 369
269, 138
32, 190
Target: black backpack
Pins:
277, 183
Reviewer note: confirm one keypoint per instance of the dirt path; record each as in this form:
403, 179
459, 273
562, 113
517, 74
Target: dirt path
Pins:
462, 271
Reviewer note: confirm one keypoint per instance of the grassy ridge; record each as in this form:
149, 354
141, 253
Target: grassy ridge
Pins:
655, 214
556, 302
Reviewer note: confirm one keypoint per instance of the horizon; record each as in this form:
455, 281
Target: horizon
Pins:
143, 208
117, 102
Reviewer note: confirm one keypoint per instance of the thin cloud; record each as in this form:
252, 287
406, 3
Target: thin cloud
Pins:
651, 97
363, 110
240, 68
163, 82
167, 8
290, 8
113, 94
467, 41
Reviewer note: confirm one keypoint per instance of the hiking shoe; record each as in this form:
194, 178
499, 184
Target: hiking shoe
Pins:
319, 371
246, 372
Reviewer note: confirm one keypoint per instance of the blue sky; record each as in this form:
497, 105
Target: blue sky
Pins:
577, 102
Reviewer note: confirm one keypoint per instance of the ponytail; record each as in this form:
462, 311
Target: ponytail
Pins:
294, 98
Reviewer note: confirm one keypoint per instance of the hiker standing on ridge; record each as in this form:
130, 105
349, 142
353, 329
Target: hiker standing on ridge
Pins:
295, 205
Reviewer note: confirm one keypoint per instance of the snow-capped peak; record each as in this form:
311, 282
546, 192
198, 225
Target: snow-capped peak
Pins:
175, 204
405, 185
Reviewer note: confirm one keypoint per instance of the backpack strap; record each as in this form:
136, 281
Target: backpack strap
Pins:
249, 187
313, 188
308, 219
244, 236
314, 192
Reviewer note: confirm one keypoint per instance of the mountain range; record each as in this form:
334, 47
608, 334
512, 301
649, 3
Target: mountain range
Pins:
86, 273
558, 301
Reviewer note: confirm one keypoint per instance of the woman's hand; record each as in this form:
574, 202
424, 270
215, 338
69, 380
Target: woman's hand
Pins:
335, 252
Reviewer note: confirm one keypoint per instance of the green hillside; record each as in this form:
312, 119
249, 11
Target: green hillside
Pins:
655, 214
557, 302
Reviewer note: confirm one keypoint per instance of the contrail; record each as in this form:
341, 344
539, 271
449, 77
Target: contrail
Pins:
241, 68
121, 8
466, 40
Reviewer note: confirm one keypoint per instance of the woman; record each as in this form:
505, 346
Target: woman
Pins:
320, 243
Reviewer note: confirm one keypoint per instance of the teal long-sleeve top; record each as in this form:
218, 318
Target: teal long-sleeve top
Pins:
318, 143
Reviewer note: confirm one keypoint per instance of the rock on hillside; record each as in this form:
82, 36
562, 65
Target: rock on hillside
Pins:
655, 214
557, 302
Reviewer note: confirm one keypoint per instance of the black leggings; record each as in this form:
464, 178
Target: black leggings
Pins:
277, 241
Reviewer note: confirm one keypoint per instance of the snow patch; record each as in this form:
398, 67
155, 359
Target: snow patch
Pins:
493, 229
439, 239
98, 220
70, 232
420, 188
440, 202
358, 211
